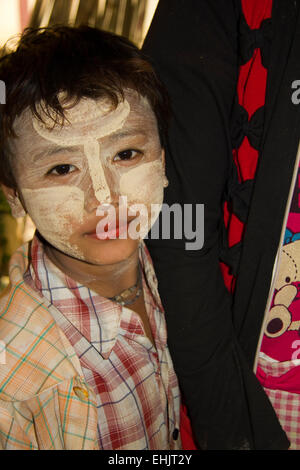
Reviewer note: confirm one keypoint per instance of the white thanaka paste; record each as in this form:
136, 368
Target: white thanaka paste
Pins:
58, 211
52, 210
144, 184
82, 128
132, 183
96, 169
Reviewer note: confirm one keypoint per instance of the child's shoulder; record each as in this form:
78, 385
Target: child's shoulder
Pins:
23, 319
33, 357
16, 298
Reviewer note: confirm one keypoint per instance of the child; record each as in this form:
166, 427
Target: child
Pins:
86, 361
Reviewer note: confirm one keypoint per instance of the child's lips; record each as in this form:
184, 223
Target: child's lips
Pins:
113, 233
109, 234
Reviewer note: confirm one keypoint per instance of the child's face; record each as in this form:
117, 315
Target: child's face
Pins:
65, 174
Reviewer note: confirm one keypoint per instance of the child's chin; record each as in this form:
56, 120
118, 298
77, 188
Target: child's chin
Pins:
111, 251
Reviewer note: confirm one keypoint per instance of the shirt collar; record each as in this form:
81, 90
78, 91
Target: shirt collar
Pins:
77, 302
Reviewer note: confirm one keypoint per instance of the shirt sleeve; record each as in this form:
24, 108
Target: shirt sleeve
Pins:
13, 435
193, 46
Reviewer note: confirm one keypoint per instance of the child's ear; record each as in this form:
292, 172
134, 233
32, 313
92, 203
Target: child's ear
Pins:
14, 201
166, 182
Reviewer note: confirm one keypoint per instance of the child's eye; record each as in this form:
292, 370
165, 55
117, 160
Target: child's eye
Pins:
61, 170
127, 155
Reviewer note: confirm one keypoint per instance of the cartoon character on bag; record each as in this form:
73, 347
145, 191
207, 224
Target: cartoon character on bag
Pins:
283, 321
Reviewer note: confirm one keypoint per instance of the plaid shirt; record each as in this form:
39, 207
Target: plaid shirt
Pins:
135, 384
128, 388
278, 380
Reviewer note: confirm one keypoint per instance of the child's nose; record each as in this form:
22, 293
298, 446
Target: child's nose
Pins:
97, 171
92, 202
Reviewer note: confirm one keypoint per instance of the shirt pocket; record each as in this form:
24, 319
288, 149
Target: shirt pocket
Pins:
65, 416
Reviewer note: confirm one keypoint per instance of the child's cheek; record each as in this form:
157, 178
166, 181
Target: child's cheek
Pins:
56, 213
143, 185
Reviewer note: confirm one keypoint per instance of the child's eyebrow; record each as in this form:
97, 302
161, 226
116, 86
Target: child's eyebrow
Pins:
53, 150
57, 149
127, 133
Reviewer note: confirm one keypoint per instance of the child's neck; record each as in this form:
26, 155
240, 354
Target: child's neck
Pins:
106, 280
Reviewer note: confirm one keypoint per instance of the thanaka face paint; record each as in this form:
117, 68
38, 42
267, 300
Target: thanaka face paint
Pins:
144, 183
91, 145
82, 128
55, 224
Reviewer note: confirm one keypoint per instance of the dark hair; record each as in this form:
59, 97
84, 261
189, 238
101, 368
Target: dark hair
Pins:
80, 61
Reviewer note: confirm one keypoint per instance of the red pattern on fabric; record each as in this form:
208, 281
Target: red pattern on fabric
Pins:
279, 379
186, 432
251, 89
256, 10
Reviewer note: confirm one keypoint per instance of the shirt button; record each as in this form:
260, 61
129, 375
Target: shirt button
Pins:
81, 393
175, 434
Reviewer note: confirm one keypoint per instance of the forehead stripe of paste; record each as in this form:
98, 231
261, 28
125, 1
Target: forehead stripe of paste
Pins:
84, 134
100, 186
83, 126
